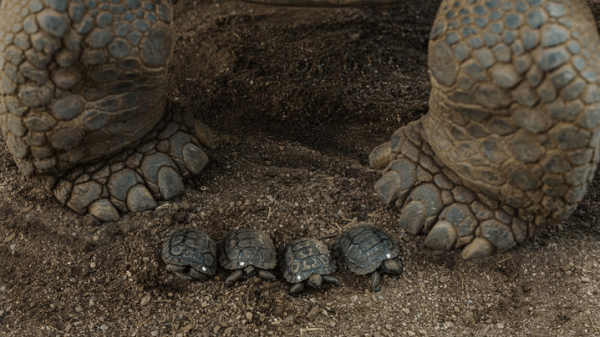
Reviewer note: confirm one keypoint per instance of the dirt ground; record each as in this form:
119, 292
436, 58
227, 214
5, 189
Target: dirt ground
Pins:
297, 98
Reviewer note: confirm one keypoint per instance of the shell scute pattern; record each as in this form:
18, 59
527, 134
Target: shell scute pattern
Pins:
245, 247
187, 247
363, 248
305, 257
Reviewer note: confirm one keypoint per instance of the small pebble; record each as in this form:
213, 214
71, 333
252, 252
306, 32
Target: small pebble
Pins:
249, 316
146, 300
313, 311
585, 279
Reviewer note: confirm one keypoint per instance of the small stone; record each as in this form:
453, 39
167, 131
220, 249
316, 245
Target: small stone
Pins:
249, 316
313, 311
145, 300
585, 279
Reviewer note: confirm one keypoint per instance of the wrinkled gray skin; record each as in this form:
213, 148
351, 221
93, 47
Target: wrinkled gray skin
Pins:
82, 103
509, 145
511, 140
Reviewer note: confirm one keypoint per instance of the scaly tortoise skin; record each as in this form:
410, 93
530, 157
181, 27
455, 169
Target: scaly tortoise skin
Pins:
250, 252
307, 260
366, 249
82, 103
190, 253
511, 139
510, 142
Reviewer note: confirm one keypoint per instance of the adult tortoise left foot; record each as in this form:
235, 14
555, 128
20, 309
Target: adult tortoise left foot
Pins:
511, 139
82, 103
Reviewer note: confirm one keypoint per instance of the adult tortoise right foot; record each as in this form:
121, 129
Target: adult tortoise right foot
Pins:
511, 139
82, 102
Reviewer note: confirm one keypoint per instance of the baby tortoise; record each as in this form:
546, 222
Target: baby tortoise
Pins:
367, 249
307, 260
250, 252
190, 253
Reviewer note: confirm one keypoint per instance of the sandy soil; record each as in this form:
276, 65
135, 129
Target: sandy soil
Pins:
297, 99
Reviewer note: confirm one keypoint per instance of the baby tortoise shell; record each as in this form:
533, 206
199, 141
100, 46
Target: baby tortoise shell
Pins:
367, 249
307, 260
250, 252
190, 253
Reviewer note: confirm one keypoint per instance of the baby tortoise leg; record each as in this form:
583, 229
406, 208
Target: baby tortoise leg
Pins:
266, 275
393, 267
375, 281
296, 289
512, 137
234, 277
332, 279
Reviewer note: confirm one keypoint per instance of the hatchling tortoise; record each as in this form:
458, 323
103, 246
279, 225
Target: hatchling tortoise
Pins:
367, 249
190, 253
307, 260
510, 143
250, 252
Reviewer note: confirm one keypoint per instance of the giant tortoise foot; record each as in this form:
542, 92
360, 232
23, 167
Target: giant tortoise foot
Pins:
512, 137
432, 200
134, 180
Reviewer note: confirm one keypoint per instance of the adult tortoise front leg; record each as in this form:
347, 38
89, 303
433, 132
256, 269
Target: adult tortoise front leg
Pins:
82, 102
511, 139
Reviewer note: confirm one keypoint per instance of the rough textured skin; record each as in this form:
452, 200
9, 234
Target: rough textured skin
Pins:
187, 250
363, 248
82, 102
511, 140
247, 246
305, 257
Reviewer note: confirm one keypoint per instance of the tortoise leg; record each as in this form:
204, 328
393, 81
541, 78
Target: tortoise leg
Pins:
185, 276
332, 279
82, 104
180, 271
266, 275
234, 277
297, 288
507, 145
375, 281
